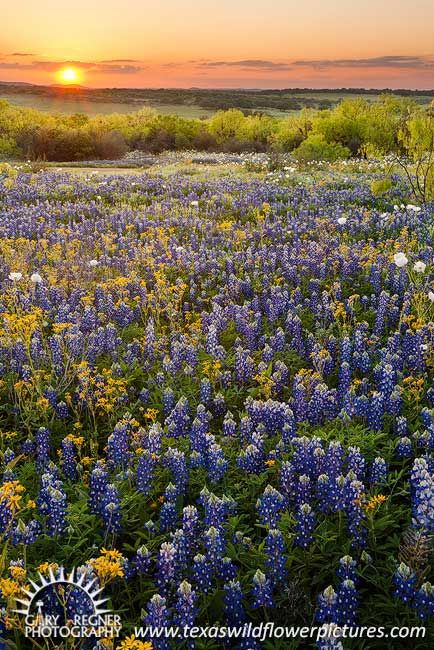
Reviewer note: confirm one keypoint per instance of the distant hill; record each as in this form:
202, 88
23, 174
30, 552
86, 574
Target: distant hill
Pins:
188, 102
69, 86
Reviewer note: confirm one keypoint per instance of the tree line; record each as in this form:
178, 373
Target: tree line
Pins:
355, 127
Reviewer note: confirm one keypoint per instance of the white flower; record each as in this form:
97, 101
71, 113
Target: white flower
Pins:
415, 208
431, 295
419, 267
93, 263
342, 221
194, 203
15, 276
400, 259
36, 278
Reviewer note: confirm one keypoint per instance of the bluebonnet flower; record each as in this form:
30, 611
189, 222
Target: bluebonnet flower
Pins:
118, 445
422, 495
274, 548
166, 564
347, 602
98, 483
22, 533
157, 617
62, 410
145, 471
305, 525
6, 517
202, 573
53, 499
215, 545
175, 460
168, 400
142, 560
347, 569
168, 516
354, 496
205, 390
111, 509
270, 506
404, 580
233, 603
252, 458
327, 611
322, 492
42, 447
261, 592
356, 463
424, 601
69, 459
185, 607
216, 462
376, 411
303, 490
404, 447
178, 422
378, 471
190, 525
227, 569
229, 425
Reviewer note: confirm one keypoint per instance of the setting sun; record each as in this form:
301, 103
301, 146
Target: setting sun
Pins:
68, 76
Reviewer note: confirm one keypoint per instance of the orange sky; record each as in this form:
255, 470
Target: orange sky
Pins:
230, 43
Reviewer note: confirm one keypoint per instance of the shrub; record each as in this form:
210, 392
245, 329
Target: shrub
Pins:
315, 147
381, 186
110, 145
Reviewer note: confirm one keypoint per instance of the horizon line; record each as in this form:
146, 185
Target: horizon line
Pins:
221, 88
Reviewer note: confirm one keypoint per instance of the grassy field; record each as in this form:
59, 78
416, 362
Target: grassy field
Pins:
188, 106
71, 106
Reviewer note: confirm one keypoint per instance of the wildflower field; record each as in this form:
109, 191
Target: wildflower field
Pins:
217, 399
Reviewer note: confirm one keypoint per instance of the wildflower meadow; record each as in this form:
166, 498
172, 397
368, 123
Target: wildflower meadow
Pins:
216, 405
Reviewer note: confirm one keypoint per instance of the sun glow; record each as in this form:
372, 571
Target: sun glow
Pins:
68, 76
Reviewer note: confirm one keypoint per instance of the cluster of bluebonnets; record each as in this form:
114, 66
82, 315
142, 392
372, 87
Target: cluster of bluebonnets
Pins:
217, 398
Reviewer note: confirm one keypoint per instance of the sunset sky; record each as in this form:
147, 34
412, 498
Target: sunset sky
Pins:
229, 43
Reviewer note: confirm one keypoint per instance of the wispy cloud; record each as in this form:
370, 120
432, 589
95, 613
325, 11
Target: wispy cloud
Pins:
104, 67
22, 54
246, 64
120, 61
398, 61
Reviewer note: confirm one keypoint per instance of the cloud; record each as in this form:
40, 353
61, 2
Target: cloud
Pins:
398, 61
120, 61
22, 54
246, 64
90, 66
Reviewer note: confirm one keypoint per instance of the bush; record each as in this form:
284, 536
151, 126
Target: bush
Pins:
381, 186
110, 145
315, 147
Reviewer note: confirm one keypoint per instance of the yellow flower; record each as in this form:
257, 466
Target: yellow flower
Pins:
9, 588
131, 643
18, 573
374, 502
108, 566
113, 554
225, 226
46, 566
